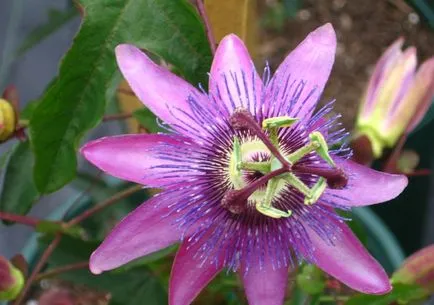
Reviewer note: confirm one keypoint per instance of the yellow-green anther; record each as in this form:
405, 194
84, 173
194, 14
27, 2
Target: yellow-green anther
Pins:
263, 167
299, 185
323, 149
272, 212
301, 152
265, 206
278, 122
274, 136
316, 191
311, 194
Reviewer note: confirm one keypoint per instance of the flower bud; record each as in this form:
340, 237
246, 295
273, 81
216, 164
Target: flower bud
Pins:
418, 269
11, 280
408, 161
396, 99
7, 120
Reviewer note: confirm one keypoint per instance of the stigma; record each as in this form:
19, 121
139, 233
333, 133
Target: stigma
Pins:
259, 170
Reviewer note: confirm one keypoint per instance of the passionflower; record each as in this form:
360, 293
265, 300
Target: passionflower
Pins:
396, 99
251, 178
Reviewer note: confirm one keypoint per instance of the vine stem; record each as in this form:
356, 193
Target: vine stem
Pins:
115, 198
62, 269
118, 116
41, 263
391, 163
202, 12
25, 220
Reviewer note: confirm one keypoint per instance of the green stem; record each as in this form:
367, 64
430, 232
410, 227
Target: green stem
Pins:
263, 167
333, 298
303, 151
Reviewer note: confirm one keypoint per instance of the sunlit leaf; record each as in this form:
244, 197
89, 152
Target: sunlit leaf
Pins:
76, 101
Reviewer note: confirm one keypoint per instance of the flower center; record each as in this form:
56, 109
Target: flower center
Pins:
259, 170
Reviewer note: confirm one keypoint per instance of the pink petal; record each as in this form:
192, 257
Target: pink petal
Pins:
265, 285
161, 91
348, 261
386, 61
365, 186
424, 82
234, 80
189, 276
147, 229
310, 63
136, 157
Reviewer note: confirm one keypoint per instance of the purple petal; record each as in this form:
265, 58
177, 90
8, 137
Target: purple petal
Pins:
348, 261
299, 81
161, 91
234, 81
365, 186
137, 158
145, 230
189, 276
386, 61
265, 285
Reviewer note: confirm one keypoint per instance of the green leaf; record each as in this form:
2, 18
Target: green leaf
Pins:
401, 292
51, 228
311, 280
56, 19
76, 101
19, 191
380, 241
147, 119
127, 288
424, 8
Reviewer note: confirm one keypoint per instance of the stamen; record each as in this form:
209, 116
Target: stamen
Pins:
265, 206
236, 200
336, 177
263, 167
242, 119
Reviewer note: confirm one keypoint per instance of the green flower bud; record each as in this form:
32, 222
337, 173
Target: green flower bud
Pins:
7, 120
11, 280
418, 269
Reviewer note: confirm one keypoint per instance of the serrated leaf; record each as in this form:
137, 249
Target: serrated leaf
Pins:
76, 101
401, 292
131, 287
18, 191
56, 19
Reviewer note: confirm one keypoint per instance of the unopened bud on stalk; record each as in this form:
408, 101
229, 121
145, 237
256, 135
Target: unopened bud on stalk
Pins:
7, 120
418, 269
11, 280
396, 100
